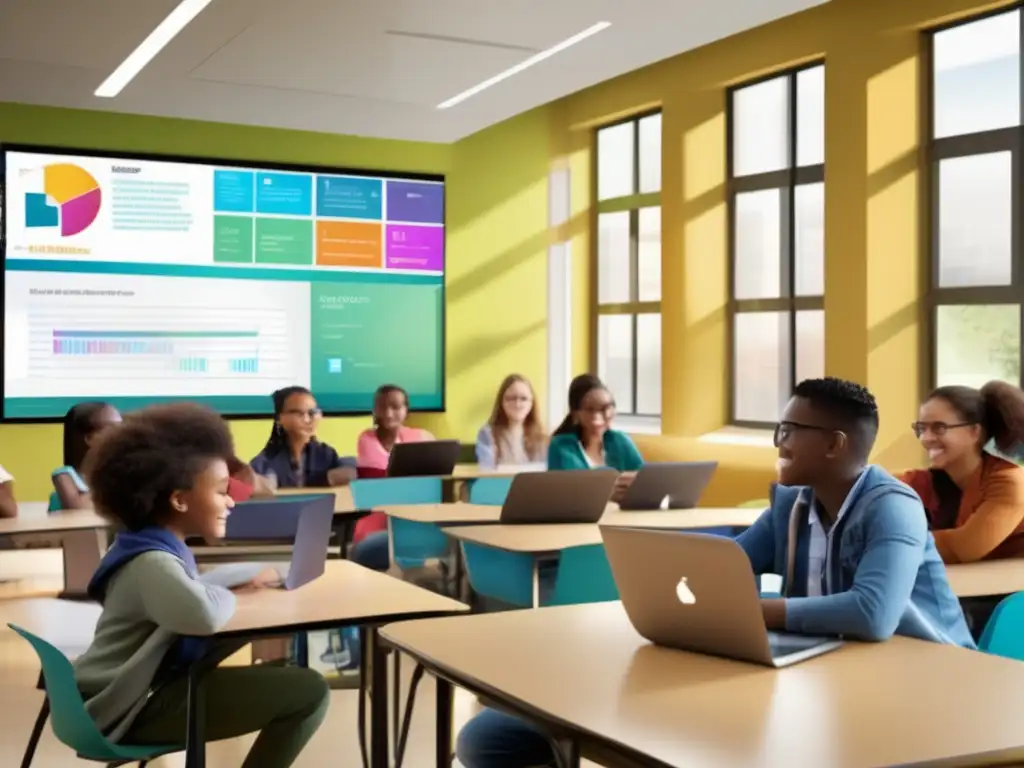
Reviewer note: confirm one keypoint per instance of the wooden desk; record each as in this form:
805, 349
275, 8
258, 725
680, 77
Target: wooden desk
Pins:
457, 513
543, 539
683, 519
994, 577
343, 502
583, 673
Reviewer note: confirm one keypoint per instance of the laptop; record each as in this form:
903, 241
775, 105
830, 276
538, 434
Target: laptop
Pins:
697, 592
561, 496
669, 486
305, 519
436, 458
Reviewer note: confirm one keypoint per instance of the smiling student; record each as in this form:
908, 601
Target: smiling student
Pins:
514, 434
293, 457
163, 477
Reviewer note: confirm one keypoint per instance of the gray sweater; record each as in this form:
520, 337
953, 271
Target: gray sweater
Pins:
149, 601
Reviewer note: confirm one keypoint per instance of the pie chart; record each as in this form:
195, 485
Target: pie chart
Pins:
71, 199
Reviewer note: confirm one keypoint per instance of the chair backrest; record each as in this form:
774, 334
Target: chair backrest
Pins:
1004, 633
55, 504
584, 576
381, 492
72, 724
489, 490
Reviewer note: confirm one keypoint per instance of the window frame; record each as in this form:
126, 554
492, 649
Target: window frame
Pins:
786, 181
631, 204
936, 150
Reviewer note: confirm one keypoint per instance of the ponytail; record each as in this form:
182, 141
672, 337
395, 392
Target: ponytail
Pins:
567, 427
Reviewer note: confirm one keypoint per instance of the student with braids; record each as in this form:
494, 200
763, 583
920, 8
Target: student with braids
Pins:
293, 456
973, 498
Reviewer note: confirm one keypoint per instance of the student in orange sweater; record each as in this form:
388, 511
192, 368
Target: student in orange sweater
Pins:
973, 498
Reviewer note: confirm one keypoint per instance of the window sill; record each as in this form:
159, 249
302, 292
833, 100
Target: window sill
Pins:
758, 438
639, 425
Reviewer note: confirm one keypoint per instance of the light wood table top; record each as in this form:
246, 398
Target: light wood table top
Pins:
682, 519
586, 668
455, 513
475, 471
77, 520
993, 577
342, 496
67, 624
346, 594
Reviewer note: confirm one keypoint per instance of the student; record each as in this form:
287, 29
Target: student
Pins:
974, 500
293, 457
585, 438
514, 433
8, 504
164, 477
390, 408
850, 539
83, 424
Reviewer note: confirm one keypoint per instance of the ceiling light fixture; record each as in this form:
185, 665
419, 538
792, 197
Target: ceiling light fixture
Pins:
167, 30
537, 58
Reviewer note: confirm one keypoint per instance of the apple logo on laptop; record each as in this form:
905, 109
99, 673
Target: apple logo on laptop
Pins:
684, 593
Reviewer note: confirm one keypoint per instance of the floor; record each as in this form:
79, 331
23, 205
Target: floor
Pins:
34, 573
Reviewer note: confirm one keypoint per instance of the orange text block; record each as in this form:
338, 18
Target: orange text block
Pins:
348, 244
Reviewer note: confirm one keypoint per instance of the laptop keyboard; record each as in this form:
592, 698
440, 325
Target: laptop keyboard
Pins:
784, 644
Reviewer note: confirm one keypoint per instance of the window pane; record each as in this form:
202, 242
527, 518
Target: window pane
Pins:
615, 357
976, 344
649, 256
809, 239
810, 344
760, 365
615, 161
650, 153
810, 117
977, 76
648, 364
613, 258
758, 244
760, 127
975, 220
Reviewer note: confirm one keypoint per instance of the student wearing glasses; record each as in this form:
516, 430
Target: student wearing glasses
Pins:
974, 499
514, 435
293, 457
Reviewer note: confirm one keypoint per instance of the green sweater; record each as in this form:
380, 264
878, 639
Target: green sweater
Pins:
566, 452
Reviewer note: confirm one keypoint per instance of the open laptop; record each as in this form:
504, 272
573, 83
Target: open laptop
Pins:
558, 497
676, 485
697, 592
305, 519
436, 458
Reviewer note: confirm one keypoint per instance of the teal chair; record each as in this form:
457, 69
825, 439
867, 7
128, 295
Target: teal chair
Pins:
72, 724
412, 543
1004, 633
499, 574
490, 491
584, 576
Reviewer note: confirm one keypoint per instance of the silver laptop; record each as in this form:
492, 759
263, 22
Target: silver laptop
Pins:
562, 496
697, 592
676, 485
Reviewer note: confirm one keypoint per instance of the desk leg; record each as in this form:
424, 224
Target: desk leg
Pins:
82, 553
195, 738
379, 736
443, 737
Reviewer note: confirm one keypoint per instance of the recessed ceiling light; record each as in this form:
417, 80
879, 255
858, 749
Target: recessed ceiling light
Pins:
168, 29
537, 58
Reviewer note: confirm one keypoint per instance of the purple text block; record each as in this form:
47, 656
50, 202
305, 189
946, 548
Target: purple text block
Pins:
411, 247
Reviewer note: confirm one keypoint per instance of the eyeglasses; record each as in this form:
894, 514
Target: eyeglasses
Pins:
312, 413
599, 410
518, 398
937, 428
786, 429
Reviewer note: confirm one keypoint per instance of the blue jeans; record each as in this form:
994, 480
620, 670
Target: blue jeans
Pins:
493, 739
372, 552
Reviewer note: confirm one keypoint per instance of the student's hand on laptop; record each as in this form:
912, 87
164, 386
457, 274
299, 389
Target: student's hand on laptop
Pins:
268, 577
774, 611
622, 483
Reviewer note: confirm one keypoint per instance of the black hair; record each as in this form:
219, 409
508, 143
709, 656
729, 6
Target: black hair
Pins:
997, 407
851, 407
133, 471
81, 422
383, 391
277, 442
579, 388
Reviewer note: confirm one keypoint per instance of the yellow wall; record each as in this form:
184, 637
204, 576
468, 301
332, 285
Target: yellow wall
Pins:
875, 252
496, 248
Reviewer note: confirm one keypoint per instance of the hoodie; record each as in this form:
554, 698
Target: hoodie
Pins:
158, 614
882, 573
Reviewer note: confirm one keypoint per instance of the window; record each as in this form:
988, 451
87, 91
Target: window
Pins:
976, 287
776, 160
628, 254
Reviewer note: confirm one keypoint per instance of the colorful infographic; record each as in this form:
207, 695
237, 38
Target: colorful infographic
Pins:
139, 280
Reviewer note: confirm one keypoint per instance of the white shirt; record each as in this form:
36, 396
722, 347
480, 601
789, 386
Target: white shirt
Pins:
821, 542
